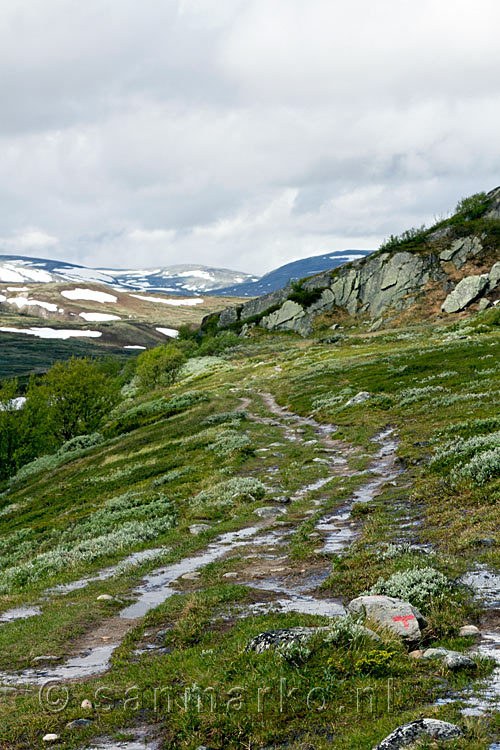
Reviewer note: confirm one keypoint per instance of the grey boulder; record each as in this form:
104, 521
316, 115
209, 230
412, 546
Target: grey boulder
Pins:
451, 659
465, 292
272, 638
268, 511
199, 528
398, 617
407, 734
359, 398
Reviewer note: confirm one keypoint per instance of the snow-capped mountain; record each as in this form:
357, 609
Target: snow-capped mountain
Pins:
178, 279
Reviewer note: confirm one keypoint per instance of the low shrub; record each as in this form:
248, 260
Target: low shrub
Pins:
415, 585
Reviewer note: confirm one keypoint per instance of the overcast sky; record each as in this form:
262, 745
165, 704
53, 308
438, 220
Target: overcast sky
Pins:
239, 133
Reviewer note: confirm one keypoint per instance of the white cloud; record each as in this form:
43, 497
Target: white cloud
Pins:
240, 133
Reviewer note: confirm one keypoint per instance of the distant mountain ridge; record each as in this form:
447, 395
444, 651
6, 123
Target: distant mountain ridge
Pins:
298, 269
176, 279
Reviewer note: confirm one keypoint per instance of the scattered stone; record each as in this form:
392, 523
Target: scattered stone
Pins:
465, 292
199, 528
104, 598
191, 576
407, 734
38, 659
359, 398
79, 723
230, 575
283, 499
400, 618
469, 630
6, 690
451, 659
50, 737
267, 511
86, 705
417, 654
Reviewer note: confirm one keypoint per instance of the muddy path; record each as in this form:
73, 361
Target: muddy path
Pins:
278, 583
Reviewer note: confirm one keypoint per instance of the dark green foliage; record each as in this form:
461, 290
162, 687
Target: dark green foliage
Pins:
408, 238
472, 207
304, 297
159, 366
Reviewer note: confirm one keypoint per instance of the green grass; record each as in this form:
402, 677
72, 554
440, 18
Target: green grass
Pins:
427, 384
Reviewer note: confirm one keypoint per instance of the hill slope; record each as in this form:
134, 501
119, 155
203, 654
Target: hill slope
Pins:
445, 269
136, 570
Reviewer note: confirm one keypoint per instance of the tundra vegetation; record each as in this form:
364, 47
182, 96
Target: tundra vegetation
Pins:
133, 462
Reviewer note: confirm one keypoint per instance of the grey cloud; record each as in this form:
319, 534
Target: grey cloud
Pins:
240, 133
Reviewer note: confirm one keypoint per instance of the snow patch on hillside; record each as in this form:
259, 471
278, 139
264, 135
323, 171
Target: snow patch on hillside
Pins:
52, 333
21, 302
172, 332
176, 302
88, 294
98, 317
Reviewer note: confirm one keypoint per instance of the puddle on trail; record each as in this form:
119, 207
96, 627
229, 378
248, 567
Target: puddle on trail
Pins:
33, 610
20, 613
485, 584
134, 559
142, 740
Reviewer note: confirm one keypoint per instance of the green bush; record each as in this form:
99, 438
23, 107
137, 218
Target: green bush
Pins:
472, 207
159, 366
415, 585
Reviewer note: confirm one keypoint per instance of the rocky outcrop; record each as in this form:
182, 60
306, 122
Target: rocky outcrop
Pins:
408, 734
383, 285
467, 291
461, 250
398, 617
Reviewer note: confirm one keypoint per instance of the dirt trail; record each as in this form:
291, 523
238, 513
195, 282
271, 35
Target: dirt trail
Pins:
292, 585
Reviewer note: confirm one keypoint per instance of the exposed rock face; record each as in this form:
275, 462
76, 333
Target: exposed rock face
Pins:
407, 734
400, 618
460, 250
466, 291
228, 317
382, 284
261, 304
451, 659
494, 209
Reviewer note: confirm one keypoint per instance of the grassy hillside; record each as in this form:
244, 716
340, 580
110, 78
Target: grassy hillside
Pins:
213, 449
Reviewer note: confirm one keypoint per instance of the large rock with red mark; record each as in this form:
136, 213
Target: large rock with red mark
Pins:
398, 617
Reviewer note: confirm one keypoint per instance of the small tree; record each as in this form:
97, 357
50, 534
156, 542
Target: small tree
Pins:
77, 395
159, 366
9, 427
